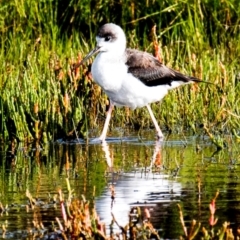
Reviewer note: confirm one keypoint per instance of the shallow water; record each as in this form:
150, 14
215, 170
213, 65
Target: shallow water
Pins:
157, 176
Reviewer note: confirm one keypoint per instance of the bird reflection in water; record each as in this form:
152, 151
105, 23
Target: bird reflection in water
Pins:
154, 166
132, 195
155, 163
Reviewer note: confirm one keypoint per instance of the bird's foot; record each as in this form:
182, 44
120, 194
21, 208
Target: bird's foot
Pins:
160, 137
97, 140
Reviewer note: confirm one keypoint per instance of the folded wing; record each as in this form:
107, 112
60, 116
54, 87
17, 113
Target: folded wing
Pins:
151, 72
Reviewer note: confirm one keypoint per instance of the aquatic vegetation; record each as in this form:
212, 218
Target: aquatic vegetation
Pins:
44, 190
42, 98
78, 219
196, 230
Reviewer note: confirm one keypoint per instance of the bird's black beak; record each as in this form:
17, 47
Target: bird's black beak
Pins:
94, 51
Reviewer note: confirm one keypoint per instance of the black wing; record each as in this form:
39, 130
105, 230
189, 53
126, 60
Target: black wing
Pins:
150, 71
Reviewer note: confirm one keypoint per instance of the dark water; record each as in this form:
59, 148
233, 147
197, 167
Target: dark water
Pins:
154, 176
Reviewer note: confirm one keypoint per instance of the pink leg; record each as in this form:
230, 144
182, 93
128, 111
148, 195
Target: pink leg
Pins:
159, 132
108, 117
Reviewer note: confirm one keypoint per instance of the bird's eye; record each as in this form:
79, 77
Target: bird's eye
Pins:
107, 38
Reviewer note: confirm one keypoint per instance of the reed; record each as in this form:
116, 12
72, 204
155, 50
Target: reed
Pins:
43, 99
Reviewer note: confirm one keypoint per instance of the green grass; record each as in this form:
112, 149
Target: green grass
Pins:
41, 99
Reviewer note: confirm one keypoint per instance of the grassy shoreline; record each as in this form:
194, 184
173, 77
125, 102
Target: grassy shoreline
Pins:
42, 99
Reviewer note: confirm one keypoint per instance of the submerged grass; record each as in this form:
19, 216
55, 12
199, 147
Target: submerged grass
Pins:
77, 218
56, 209
42, 99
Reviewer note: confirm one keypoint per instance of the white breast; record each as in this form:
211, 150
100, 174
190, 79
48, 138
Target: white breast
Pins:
122, 87
108, 73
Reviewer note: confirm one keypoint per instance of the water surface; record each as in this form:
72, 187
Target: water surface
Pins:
154, 176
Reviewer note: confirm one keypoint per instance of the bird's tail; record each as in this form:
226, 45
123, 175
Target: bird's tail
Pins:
186, 79
197, 80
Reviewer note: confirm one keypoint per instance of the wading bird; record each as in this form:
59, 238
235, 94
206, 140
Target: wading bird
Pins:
130, 77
